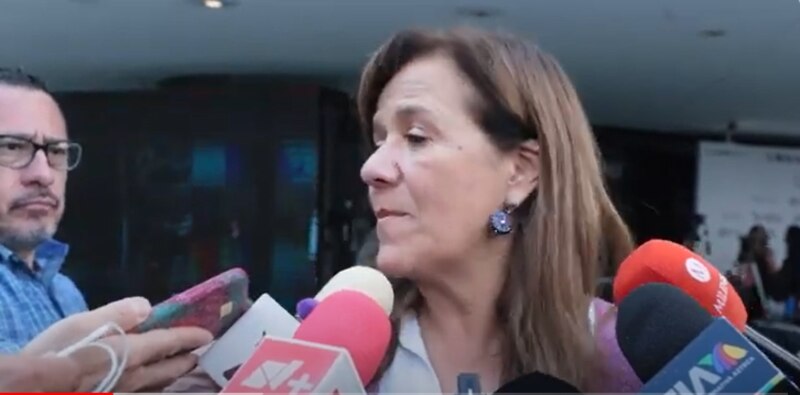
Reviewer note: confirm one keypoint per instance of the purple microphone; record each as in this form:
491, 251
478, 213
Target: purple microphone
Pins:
305, 307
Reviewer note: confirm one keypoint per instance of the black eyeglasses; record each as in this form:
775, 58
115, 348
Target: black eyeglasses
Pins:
18, 152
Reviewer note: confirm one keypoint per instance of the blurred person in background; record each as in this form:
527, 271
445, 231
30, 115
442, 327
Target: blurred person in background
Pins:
493, 217
697, 239
791, 268
760, 253
763, 282
747, 280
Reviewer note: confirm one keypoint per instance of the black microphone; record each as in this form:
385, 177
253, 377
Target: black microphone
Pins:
537, 383
783, 359
675, 346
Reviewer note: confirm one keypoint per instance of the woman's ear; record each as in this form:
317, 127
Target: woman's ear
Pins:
525, 172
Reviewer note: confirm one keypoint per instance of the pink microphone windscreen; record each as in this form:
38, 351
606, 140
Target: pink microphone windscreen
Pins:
353, 321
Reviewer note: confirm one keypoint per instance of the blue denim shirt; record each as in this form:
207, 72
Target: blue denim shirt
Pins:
32, 300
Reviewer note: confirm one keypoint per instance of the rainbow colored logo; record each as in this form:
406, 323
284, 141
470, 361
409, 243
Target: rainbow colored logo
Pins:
723, 358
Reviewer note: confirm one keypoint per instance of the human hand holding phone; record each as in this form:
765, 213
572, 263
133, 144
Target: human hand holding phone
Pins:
155, 358
213, 305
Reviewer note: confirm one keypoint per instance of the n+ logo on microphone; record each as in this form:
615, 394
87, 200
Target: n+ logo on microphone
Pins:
300, 385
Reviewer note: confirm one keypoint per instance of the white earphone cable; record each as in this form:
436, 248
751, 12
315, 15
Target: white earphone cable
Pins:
118, 363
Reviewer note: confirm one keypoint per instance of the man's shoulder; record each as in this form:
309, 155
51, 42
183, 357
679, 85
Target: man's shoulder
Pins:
68, 292
61, 280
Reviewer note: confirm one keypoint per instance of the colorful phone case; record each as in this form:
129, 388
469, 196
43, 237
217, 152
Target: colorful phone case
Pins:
214, 305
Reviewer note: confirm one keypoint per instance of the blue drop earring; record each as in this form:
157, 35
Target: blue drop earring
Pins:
501, 222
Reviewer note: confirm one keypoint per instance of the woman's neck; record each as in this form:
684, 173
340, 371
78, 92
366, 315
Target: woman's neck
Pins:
473, 317
461, 331
464, 305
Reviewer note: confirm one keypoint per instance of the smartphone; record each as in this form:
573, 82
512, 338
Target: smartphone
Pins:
213, 305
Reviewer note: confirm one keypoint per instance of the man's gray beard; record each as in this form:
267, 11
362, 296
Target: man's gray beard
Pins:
17, 241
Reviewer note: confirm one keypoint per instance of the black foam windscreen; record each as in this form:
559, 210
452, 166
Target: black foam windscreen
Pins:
537, 383
655, 322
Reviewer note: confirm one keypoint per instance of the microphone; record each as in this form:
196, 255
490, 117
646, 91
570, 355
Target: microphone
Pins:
336, 349
666, 262
677, 347
369, 281
661, 261
353, 321
265, 317
537, 383
786, 361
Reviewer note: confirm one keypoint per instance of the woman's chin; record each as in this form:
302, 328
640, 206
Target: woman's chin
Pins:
394, 263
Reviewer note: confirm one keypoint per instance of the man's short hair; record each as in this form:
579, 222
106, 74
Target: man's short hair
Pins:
18, 78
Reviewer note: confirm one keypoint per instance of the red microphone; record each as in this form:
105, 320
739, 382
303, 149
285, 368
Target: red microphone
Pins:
336, 349
353, 321
660, 261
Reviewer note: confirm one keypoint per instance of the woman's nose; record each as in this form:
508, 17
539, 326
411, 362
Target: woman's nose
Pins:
381, 169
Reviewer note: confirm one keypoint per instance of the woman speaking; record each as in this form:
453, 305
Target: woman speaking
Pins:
492, 214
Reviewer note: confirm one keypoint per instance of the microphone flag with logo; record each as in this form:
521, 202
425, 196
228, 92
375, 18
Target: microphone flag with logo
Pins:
336, 349
676, 347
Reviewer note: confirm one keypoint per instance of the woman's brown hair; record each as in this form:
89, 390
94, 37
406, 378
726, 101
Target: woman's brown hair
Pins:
568, 228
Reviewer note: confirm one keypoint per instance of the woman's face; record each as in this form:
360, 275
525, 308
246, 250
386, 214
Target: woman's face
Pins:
435, 178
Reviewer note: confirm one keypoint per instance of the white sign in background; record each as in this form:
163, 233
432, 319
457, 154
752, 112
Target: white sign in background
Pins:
740, 186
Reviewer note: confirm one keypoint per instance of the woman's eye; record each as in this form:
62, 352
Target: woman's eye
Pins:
415, 139
416, 136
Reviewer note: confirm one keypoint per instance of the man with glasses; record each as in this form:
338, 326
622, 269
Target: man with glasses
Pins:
35, 157
41, 310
